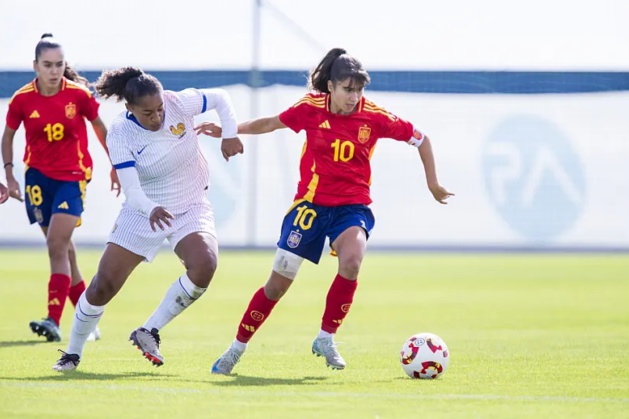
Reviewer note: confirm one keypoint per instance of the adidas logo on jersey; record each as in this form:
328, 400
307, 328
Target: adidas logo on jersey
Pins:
35, 114
64, 205
325, 124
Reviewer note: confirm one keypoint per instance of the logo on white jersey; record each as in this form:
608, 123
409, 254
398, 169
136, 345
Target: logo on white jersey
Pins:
179, 131
534, 177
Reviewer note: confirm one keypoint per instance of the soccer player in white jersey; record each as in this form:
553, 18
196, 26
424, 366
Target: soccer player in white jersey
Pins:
165, 178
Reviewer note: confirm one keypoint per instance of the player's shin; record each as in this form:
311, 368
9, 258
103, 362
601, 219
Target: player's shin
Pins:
259, 309
86, 318
338, 302
58, 289
181, 294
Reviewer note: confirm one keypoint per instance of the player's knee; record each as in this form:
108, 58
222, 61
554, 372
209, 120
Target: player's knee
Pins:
276, 286
101, 290
350, 266
57, 247
287, 264
201, 272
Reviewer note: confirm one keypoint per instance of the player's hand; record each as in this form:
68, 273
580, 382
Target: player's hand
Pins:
115, 183
160, 217
209, 128
4, 193
231, 146
440, 193
14, 190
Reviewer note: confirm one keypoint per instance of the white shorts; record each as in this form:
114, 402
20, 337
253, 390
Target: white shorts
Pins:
133, 230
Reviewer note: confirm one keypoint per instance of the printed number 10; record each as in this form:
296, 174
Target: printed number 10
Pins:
305, 217
343, 151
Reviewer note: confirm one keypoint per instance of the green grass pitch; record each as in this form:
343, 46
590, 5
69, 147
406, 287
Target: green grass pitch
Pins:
529, 335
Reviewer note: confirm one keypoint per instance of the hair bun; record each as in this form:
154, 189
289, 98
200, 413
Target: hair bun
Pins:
46, 35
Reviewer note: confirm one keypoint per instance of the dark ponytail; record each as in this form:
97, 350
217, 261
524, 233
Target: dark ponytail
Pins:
337, 65
127, 83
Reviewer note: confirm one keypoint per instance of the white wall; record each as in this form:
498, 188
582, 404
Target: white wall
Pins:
391, 34
527, 170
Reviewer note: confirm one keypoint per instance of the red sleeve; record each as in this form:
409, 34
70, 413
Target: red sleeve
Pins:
14, 114
296, 116
89, 106
396, 128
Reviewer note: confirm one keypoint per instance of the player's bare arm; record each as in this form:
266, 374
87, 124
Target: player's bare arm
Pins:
261, 125
255, 126
101, 133
440, 193
7, 158
229, 146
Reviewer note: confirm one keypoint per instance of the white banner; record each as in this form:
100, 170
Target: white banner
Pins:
549, 171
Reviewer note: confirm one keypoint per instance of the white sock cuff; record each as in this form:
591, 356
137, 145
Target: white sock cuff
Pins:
324, 334
88, 309
190, 289
241, 346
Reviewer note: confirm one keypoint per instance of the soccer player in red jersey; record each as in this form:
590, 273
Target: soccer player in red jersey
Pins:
342, 128
53, 109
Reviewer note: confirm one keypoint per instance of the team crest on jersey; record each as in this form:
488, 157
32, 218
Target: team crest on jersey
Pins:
293, 239
363, 134
179, 131
70, 110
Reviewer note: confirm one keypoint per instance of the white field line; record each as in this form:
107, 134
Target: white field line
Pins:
283, 394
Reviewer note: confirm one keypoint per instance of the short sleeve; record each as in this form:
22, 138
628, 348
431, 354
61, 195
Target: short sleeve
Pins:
193, 102
89, 106
390, 125
295, 117
14, 114
119, 151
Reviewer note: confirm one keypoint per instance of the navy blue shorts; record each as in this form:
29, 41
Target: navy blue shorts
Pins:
46, 196
306, 226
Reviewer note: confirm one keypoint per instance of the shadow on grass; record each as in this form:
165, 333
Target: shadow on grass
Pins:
89, 376
242, 380
14, 343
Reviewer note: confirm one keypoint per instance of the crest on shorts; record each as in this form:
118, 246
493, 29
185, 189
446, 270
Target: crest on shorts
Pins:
293, 239
70, 110
363, 134
38, 215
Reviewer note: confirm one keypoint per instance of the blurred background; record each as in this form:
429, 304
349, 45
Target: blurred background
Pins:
526, 104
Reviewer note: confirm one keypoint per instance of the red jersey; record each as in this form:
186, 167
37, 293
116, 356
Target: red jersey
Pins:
56, 134
335, 165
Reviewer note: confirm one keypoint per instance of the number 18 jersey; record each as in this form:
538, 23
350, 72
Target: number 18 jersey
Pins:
56, 133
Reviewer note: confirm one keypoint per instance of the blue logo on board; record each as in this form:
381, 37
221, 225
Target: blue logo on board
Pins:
534, 177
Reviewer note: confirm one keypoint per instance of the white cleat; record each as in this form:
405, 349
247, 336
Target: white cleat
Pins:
326, 347
226, 363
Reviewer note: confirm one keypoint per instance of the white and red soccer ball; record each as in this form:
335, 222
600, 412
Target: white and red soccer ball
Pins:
424, 355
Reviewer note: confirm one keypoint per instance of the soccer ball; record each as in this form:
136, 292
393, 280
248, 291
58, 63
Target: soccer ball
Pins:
424, 355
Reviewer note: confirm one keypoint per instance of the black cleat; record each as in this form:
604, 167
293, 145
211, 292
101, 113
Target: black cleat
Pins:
67, 362
47, 328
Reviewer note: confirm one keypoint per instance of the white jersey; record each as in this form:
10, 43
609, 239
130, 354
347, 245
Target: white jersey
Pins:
171, 167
